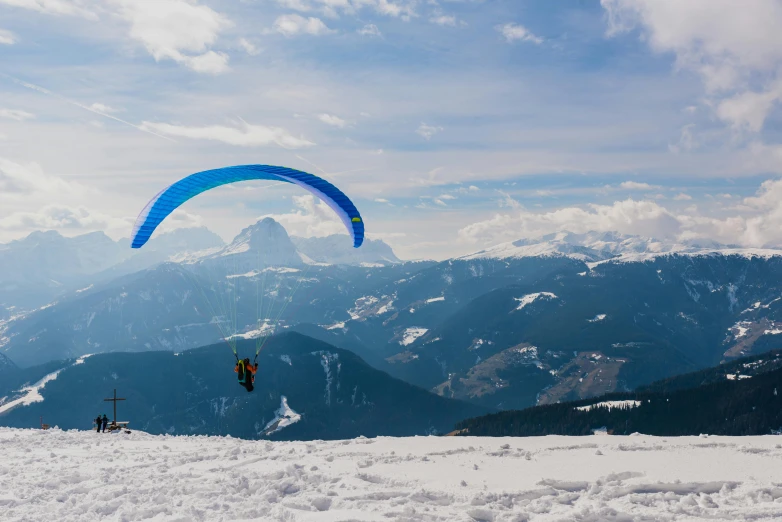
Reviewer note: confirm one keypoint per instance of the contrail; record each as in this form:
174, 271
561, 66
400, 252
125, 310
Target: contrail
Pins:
311, 163
81, 106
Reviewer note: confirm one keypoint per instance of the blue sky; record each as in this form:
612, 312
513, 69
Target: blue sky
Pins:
453, 125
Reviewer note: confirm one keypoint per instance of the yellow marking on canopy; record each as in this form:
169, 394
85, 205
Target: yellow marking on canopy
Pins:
356, 220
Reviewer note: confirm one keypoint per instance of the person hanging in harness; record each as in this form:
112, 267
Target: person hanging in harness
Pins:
246, 373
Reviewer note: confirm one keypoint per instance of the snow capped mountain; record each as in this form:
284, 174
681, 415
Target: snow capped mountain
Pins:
38, 268
265, 243
35, 269
599, 320
178, 242
338, 250
601, 246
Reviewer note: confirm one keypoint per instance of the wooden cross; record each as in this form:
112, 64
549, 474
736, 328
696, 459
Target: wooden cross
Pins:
114, 400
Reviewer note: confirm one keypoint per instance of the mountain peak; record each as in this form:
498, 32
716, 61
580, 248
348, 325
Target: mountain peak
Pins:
338, 249
38, 237
591, 246
260, 233
268, 243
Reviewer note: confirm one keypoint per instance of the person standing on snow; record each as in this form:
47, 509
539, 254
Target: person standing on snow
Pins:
105, 422
98, 422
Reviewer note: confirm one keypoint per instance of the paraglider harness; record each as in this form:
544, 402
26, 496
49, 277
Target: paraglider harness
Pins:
245, 374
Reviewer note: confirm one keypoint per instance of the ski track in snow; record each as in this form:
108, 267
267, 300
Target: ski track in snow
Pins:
81, 475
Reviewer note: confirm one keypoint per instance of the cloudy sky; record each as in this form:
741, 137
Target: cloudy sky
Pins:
452, 124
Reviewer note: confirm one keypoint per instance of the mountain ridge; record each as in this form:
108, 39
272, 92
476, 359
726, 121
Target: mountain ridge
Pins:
336, 394
738, 398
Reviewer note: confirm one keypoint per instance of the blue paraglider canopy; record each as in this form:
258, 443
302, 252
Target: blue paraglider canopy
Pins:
176, 194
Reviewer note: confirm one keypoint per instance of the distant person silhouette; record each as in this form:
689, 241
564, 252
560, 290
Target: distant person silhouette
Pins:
98, 422
105, 422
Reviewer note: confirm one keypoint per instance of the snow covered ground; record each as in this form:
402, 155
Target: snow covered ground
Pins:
81, 475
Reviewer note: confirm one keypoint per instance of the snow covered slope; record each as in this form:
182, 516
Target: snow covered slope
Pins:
73, 476
31, 394
595, 247
338, 250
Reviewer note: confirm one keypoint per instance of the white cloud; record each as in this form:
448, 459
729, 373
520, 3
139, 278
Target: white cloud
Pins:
61, 217
444, 20
381, 200
180, 218
296, 5
293, 24
331, 8
334, 121
369, 30
634, 185
427, 131
245, 135
507, 201
249, 47
15, 114
7, 37
103, 109
313, 218
628, 216
178, 30
18, 180
210, 62
55, 7
748, 110
733, 46
687, 140
757, 221
513, 32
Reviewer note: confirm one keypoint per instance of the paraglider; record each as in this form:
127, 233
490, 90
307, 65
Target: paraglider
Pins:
173, 196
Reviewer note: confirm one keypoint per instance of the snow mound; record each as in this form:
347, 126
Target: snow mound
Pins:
531, 298
411, 334
283, 417
74, 475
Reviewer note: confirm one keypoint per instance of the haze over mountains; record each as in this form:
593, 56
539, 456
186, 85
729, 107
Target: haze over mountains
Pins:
562, 317
37, 269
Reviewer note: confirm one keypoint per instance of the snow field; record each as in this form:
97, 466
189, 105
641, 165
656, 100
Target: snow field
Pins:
80, 475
